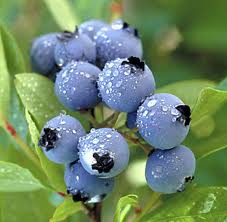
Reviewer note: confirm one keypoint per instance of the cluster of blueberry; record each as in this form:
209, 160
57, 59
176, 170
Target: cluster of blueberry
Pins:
103, 62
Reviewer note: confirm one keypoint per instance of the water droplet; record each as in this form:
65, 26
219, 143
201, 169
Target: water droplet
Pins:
109, 84
95, 141
145, 113
115, 73
164, 108
174, 112
151, 102
108, 136
118, 84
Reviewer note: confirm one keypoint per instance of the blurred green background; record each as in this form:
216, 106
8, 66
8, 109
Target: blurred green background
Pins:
182, 40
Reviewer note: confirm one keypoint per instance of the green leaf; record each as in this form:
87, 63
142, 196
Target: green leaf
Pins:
37, 95
196, 204
62, 13
66, 209
188, 90
29, 206
209, 123
53, 171
14, 178
123, 207
14, 59
4, 81
121, 120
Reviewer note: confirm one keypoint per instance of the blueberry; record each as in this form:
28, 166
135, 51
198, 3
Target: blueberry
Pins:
74, 46
104, 152
167, 171
163, 120
84, 186
42, 54
76, 86
131, 120
118, 41
59, 138
124, 83
91, 27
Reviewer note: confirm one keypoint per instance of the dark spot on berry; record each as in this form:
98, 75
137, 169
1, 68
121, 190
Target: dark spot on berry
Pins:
103, 163
107, 184
125, 25
129, 29
67, 35
189, 179
136, 33
185, 114
80, 197
135, 62
68, 191
48, 139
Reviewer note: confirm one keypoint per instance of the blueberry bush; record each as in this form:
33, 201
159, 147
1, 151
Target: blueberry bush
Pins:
91, 131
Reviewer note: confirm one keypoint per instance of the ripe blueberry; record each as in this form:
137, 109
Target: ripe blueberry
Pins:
163, 120
168, 171
59, 139
91, 27
131, 120
103, 152
76, 86
42, 54
124, 83
84, 186
118, 41
74, 46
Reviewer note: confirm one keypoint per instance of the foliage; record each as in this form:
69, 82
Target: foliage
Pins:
27, 176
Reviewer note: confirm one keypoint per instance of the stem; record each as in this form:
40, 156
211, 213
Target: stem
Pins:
114, 119
12, 132
90, 118
104, 123
94, 212
146, 149
116, 9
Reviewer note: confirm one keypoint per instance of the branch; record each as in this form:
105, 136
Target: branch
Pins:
94, 212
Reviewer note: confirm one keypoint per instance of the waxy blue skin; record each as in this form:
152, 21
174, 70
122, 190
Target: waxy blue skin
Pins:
104, 141
42, 54
76, 86
157, 121
91, 27
78, 47
90, 187
167, 171
131, 120
123, 89
116, 42
69, 130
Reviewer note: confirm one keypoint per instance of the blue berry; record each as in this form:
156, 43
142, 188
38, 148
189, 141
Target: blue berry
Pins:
84, 186
163, 120
168, 171
118, 41
124, 83
42, 54
74, 46
59, 139
103, 152
91, 27
131, 120
76, 86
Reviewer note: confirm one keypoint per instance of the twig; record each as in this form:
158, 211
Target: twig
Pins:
94, 212
146, 149
90, 118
